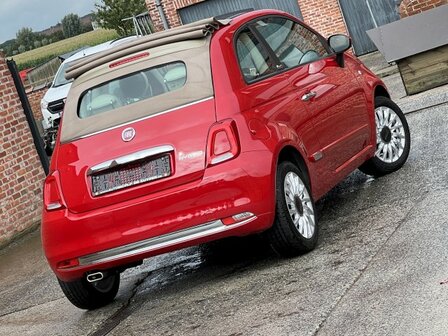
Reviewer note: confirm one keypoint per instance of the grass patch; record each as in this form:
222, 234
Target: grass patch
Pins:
41, 55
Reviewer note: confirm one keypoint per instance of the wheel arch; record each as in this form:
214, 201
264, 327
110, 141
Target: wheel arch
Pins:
293, 155
381, 91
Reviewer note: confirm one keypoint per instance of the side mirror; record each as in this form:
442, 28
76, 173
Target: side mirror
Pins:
340, 43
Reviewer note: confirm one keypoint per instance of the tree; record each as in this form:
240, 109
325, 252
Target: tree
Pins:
22, 48
9, 46
56, 36
71, 25
25, 37
111, 12
44, 41
86, 28
37, 44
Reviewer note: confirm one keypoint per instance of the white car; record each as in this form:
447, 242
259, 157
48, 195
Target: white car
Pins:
52, 104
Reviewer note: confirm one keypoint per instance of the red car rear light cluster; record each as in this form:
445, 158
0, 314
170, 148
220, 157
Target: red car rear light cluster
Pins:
52, 193
223, 143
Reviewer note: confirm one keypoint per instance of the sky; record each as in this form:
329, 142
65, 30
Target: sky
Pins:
37, 14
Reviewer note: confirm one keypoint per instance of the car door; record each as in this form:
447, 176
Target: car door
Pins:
267, 96
330, 93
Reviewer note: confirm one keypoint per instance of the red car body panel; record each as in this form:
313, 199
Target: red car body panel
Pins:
174, 129
349, 98
269, 116
223, 191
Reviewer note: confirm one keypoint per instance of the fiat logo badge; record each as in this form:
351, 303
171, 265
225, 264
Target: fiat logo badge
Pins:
128, 134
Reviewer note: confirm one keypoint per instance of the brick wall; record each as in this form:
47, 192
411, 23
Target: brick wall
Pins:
34, 97
412, 7
170, 8
21, 173
323, 15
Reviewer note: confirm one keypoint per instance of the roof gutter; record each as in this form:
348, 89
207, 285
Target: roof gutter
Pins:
162, 15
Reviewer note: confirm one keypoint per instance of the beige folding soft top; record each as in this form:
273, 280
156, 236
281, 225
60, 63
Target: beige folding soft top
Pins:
188, 44
190, 31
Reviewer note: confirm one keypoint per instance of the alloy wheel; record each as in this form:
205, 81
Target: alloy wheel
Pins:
299, 204
390, 135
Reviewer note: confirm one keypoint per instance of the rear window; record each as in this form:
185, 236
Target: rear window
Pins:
175, 75
132, 88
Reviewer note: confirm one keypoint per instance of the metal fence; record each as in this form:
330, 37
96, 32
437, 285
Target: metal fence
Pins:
142, 24
44, 74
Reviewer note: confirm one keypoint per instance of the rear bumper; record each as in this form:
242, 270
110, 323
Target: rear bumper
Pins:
188, 215
160, 242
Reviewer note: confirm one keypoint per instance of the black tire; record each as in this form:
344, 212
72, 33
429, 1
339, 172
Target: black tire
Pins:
86, 295
284, 236
377, 166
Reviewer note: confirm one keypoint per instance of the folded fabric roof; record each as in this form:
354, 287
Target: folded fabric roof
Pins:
191, 31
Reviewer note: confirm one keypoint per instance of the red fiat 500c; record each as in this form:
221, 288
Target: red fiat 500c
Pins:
215, 129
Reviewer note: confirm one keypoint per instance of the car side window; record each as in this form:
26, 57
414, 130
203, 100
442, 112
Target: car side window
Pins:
291, 42
253, 57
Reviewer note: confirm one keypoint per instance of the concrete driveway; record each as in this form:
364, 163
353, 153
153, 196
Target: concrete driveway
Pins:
380, 268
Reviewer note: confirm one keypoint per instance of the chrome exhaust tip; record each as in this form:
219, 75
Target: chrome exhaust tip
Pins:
94, 277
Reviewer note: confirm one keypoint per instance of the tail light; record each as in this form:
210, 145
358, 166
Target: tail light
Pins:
223, 143
52, 193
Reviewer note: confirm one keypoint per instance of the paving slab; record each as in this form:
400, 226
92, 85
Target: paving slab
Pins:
377, 269
404, 290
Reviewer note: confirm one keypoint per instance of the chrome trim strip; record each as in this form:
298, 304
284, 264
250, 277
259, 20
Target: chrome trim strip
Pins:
222, 158
159, 242
54, 206
144, 118
130, 158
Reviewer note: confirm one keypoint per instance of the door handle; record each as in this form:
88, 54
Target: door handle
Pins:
309, 95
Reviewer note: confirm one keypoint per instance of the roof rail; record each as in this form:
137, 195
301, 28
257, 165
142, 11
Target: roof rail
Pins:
195, 30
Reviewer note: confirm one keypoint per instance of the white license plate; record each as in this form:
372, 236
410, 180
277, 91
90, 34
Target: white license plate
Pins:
130, 175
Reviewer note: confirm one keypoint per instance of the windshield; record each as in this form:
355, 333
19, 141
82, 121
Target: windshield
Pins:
60, 80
